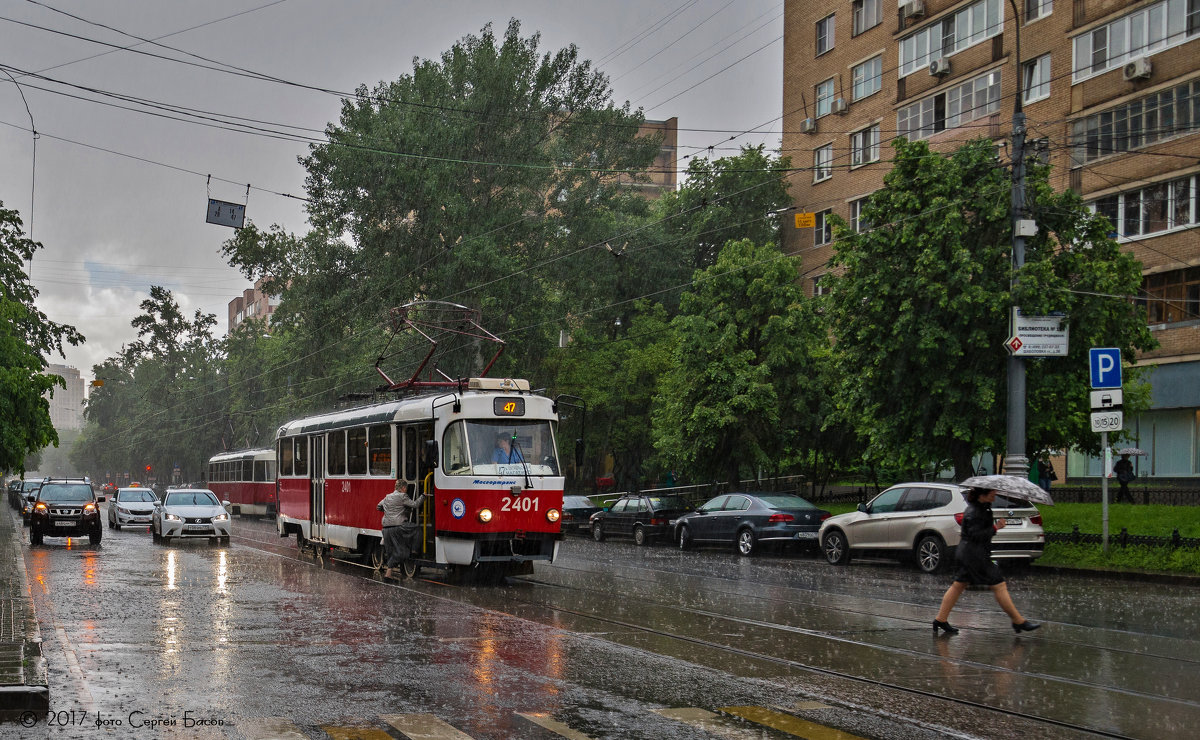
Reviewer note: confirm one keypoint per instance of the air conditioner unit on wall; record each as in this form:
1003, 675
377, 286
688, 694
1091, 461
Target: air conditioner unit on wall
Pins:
839, 105
808, 126
939, 67
1138, 69
912, 8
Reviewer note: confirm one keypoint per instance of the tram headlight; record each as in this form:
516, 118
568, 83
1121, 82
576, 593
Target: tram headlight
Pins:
485, 515
552, 515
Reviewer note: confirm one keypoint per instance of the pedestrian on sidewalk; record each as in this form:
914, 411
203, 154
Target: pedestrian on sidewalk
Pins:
1123, 469
398, 508
975, 564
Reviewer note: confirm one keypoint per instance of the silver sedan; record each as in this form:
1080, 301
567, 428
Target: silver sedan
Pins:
131, 506
191, 513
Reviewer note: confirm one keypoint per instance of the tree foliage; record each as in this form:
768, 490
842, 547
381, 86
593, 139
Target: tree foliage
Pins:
920, 309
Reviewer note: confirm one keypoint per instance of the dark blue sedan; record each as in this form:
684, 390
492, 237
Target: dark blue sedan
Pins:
746, 520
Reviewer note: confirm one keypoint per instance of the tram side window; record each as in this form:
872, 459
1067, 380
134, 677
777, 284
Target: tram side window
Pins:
335, 453
301, 455
410, 453
380, 449
260, 471
285, 457
246, 467
454, 451
356, 451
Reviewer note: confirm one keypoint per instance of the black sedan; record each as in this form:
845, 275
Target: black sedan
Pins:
643, 516
747, 519
577, 513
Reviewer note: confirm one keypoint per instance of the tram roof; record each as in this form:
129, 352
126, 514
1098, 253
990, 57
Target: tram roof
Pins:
241, 454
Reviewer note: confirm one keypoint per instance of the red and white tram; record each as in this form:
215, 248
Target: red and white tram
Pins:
482, 507
246, 479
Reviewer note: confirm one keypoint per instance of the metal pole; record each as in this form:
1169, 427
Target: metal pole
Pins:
1104, 458
1015, 460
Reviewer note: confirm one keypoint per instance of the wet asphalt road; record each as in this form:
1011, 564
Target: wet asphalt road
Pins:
223, 640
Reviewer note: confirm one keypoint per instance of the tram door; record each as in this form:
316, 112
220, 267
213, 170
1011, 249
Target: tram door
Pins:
412, 444
317, 488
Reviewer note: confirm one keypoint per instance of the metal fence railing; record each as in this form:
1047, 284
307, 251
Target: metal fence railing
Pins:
1123, 539
1168, 496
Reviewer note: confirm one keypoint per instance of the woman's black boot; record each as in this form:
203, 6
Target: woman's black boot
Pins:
1025, 626
945, 627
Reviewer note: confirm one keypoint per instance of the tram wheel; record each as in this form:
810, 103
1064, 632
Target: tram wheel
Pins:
411, 568
374, 556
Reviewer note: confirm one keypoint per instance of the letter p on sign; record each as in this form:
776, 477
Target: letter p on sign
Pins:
1105, 363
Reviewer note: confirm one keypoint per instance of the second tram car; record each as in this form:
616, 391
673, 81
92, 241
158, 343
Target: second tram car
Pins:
246, 479
484, 454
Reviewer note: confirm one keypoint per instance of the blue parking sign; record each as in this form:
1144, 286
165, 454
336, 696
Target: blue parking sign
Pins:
1105, 363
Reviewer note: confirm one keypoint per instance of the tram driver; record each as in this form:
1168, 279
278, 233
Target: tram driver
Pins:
504, 452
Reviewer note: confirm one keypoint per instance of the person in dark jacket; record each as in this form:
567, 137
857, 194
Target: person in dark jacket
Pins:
975, 564
1123, 469
399, 530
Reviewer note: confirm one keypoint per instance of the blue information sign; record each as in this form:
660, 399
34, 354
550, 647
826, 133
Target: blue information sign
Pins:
1105, 363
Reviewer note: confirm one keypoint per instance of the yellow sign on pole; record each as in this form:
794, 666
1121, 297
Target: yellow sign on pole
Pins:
806, 220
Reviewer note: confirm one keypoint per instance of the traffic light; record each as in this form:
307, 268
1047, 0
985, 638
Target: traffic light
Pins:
147, 468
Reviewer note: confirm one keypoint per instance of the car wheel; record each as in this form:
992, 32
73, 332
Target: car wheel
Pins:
931, 553
835, 547
110, 523
597, 532
96, 535
639, 535
225, 539
117, 526
745, 542
685, 537
35, 537
154, 536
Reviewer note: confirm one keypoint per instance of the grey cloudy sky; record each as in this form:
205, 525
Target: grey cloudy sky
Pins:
118, 197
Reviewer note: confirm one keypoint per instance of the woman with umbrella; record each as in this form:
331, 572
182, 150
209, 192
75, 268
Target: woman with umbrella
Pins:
974, 552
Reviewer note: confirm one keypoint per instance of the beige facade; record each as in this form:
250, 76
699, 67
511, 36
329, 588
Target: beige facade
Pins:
662, 172
1111, 92
66, 406
251, 304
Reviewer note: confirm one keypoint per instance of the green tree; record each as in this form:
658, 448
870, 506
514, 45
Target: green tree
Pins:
27, 336
919, 309
738, 396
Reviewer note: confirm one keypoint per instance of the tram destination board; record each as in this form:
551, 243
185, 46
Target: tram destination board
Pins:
509, 406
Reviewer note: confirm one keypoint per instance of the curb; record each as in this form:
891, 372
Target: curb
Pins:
1175, 579
33, 693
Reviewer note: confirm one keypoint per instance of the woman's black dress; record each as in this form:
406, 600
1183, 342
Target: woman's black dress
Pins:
974, 552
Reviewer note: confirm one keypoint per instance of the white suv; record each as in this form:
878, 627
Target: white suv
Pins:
923, 520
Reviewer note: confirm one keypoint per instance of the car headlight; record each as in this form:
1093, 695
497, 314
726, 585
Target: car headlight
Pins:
485, 515
221, 518
89, 507
172, 518
40, 506
552, 515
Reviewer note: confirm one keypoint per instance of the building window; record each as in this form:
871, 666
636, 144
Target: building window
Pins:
867, 14
1138, 123
1035, 82
823, 232
823, 163
825, 34
864, 146
971, 25
817, 287
960, 104
1152, 210
1035, 9
825, 93
1172, 296
857, 223
1141, 33
868, 77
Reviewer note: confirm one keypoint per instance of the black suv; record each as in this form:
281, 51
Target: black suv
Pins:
65, 507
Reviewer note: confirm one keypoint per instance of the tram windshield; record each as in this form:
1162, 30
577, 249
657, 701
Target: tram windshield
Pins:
499, 447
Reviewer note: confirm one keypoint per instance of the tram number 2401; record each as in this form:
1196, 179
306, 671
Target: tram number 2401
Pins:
519, 504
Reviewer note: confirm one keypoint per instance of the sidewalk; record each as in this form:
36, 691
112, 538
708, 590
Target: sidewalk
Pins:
24, 685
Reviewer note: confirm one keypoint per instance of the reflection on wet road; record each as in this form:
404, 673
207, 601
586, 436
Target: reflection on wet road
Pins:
254, 640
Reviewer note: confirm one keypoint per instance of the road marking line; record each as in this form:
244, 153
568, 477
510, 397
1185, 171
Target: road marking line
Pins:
788, 723
271, 728
547, 722
89, 704
424, 727
711, 723
356, 733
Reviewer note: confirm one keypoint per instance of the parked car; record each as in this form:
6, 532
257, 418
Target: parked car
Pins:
190, 514
14, 494
577, 513
131, 506
747, 519
640, 515
29, 490
65, 507
923, 521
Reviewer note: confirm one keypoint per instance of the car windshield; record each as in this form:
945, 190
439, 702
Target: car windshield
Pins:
577, 501
785, 502
668, 502
191, 498
30, 485
136, 496
66, 492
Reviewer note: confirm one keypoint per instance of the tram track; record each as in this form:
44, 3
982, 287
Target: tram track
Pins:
287, 548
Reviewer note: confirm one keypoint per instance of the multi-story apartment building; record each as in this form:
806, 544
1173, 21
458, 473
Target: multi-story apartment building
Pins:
252, 303
66, 406
1111, 91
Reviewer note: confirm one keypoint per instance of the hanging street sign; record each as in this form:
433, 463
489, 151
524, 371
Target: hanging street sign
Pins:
1038, 336
223, 213
806, 220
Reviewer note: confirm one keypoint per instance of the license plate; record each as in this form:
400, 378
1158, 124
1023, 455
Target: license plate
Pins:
806, 535
64, 524
197, 526
1014, 522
